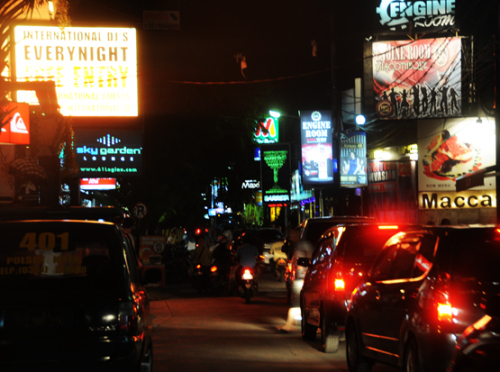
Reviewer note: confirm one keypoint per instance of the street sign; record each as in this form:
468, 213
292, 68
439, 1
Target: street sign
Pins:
140, 210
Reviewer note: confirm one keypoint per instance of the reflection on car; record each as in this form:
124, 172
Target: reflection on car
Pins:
425, 288
72, 298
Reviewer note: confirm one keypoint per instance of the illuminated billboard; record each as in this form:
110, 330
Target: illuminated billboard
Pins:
15, 125
451, 148
268, 131
94, 68
317, 151
353, 164
418, 79
275, 172
98, 184
108, 152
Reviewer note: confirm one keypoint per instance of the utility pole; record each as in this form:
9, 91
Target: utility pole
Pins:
336, 117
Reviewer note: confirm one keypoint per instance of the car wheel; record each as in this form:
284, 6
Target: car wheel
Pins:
412, 361
147, 361
308, 330
329, 338
355, 361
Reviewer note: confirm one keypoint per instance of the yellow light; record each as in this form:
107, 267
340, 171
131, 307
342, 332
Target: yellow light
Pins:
444, 311
339, 285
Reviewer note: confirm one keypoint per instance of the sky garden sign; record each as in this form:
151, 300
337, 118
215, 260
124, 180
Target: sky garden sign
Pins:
397, 15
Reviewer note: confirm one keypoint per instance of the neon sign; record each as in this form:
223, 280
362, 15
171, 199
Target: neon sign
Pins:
94, 68
268, 131
423, 14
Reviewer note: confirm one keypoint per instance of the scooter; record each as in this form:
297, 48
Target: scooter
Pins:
200, 278
280, 268
247, 282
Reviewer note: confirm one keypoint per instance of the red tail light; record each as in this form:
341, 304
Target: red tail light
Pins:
213, 269
445, 312
388, 227
339, 284
247, 275
198, 266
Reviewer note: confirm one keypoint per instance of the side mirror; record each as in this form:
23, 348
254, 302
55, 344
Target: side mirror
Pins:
303, 261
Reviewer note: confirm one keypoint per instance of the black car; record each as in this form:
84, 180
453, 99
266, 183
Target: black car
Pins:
425, 288
72, 298
342, 257
478, 348
311, 230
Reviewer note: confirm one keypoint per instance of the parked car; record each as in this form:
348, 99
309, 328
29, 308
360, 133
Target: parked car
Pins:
310, 231
424, 289
478, 347
341, 260
72, 298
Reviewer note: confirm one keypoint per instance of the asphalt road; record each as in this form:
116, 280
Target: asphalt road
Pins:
194, 332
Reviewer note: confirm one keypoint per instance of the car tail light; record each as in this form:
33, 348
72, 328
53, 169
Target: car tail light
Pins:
213, 269
198, 266
247, 275
289, 267
127, 317
339, 284
445, 312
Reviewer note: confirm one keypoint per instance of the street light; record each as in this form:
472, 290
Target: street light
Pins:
274, 114
360, 120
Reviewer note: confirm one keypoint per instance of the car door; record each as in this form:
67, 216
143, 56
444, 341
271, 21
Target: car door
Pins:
412, 262
315, 280
368, 303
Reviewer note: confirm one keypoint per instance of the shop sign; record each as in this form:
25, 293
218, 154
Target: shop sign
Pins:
317, 151
108, 152
15, 125
275, 173
94, 68
250, 184
268, 131
462, 200
404, 169
418, 79
396, 15
98, 183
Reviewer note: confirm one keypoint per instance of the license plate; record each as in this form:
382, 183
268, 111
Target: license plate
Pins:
37, 318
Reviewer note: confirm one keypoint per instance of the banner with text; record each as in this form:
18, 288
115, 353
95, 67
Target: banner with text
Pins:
275, 172
94, 68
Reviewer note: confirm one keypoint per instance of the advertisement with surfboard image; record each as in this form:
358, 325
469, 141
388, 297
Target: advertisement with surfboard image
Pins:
451, 148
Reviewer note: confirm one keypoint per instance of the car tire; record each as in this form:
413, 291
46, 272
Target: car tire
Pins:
412, 361
329, 338
147, 361
355, 361
308, 330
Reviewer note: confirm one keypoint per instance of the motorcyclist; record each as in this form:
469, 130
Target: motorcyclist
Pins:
222, 257
246, 257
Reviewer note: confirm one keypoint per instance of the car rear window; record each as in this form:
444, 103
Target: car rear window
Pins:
54, 256
475, 254
363, 243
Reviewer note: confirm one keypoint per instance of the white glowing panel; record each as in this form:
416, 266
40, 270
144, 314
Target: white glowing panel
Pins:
95, 68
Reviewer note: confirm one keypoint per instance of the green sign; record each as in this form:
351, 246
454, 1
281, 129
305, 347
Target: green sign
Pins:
268, 131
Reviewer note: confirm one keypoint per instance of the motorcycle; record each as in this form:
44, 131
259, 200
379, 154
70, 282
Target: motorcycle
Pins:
218, 280
247, 282
280, 268
200, 278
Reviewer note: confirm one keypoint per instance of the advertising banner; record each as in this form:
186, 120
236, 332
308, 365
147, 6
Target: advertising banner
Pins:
423, 16
317, 151
271, 132
108, 152
15, 125
98, 184
353, 164
451, 148
94, 68
275, 172
418, 79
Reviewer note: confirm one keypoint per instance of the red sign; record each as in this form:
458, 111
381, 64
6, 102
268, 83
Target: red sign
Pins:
15, 126
98, 183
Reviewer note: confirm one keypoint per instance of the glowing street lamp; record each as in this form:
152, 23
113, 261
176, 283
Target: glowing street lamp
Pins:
274, 114
360, 120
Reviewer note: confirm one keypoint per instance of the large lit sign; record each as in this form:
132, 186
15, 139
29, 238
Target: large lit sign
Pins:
457, 200
15, 125
353, 167
94, 68
108, 153
398, 14
275, 172
451, 148
268, 131
418, 79
382, 176
317, 152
